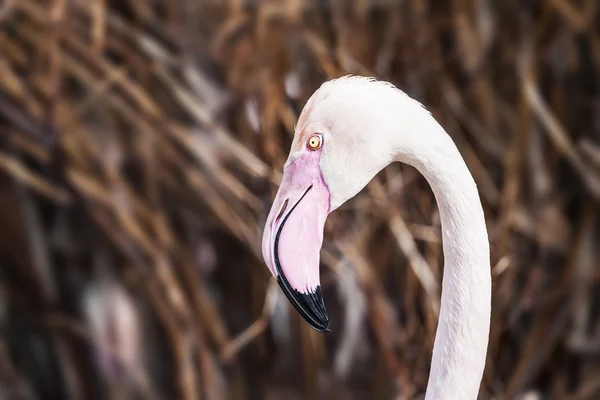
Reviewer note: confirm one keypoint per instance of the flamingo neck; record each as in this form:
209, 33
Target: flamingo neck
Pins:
461, 340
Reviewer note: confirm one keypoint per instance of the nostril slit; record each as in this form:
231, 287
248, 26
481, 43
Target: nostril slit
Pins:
282, 210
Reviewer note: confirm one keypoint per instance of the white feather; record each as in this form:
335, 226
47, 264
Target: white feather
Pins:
366, 125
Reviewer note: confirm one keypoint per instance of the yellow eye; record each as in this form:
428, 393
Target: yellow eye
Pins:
314, 142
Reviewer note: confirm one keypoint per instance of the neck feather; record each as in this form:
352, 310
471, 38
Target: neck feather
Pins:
461, 340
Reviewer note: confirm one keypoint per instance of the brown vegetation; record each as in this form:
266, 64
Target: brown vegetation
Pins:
142, 143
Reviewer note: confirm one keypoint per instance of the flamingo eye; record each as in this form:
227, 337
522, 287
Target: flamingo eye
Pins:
315, 142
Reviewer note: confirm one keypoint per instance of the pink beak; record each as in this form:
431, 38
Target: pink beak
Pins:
293, 236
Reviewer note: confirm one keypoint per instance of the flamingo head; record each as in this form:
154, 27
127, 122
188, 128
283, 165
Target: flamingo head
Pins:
337, 149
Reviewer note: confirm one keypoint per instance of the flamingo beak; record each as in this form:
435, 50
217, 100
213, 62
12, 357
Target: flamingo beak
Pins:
293, 237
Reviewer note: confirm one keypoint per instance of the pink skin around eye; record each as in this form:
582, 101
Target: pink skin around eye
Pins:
301, 237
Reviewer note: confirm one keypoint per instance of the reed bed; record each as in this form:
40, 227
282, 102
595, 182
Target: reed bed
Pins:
143, 142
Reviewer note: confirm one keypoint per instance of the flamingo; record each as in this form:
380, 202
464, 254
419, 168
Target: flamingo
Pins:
350, 129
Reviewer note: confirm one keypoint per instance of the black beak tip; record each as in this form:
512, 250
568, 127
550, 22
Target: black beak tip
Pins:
310, 305
321, 326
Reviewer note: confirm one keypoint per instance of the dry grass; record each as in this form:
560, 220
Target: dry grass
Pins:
142, 143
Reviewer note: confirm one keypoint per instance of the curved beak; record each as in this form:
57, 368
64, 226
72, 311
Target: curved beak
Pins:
293, 237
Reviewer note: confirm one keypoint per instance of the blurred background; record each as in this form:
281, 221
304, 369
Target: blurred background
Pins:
143, 142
